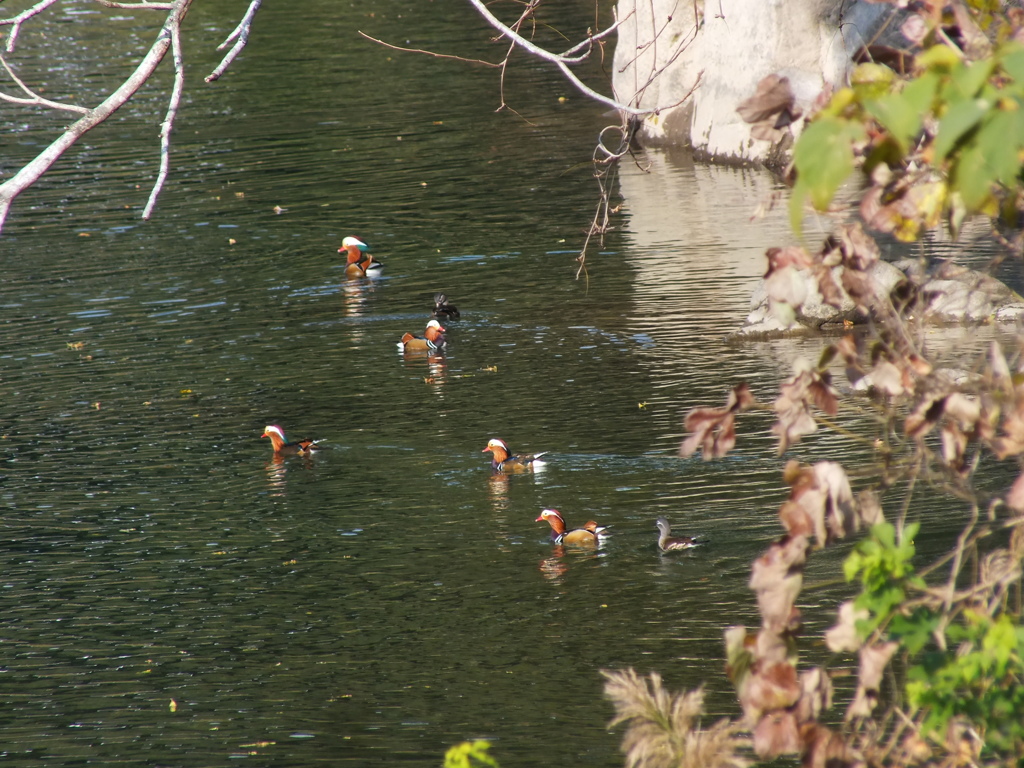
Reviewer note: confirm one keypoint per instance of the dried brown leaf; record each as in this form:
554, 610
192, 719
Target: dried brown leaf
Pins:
926, 414
738, 654
840, 509
887, 379
870, 508
713, 429
772, 96
954, 445
776, 578
796, 395
873, 660
815, 694
1001, 376
770, 687
824, 748
777, 734
844, 636
786, 286
1015, 496
795, 519
829, 289
1011, 442
860, 251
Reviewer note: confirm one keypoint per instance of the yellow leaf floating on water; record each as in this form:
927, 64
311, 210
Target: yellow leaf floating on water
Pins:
173, 706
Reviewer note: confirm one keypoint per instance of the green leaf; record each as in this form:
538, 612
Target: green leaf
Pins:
920, 92
1013, 63
824, 157
938, 58
966, 81
997, 141
960, 118
885, 533
973, 177
897, 116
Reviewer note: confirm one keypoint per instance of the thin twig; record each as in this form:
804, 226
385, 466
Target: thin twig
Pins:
34, 98
168, 124
429, 53
555, 59
20, 19
31, 172
241, 32
591, 39
137, 6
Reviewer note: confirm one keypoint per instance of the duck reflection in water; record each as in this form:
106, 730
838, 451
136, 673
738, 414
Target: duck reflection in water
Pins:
438, 373
356, 295
277, 469
498, 484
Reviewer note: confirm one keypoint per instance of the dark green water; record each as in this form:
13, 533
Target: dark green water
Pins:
388, 598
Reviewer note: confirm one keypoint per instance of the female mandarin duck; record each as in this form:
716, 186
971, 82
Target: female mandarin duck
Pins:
503, 460
669, 543
431, 340
444, 310
360, 263
281, 445
591, 535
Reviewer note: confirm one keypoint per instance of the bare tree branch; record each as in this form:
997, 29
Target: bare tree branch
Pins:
34, 98
169, 38
241, 32
31, 172
137, 6
168, 123
429, 53
20, 19
559, 61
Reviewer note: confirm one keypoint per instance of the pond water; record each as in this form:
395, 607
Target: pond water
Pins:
389, 597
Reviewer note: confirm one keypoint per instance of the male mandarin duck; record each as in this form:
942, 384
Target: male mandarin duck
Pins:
577, 537
503, 460
431, 340
444, 310
669, 543
360, 263
281, 445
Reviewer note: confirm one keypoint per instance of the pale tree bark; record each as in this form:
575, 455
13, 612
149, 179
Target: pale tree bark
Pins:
167, 39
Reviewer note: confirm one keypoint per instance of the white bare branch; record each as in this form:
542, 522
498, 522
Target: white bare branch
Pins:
31, 172
34, 99
16, 22
560, 61
137, 6
241, 32
168, 124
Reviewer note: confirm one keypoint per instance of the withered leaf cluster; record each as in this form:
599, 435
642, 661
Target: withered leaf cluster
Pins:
714, 429
780, 704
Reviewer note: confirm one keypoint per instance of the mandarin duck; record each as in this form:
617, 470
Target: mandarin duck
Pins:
503, 460
431, 340
444, 310
577, 537
360, 263
669, 543
280, 443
